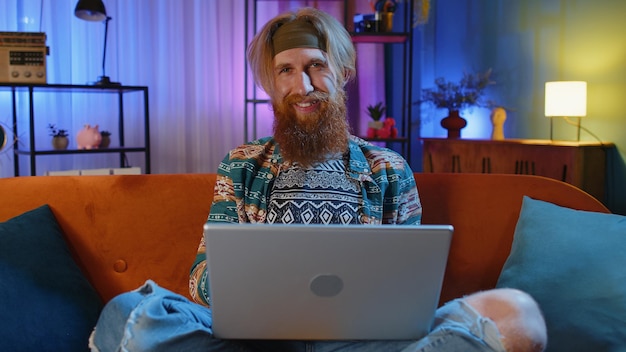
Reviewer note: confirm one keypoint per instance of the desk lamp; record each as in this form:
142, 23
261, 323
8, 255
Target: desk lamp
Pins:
566, 99
94, 11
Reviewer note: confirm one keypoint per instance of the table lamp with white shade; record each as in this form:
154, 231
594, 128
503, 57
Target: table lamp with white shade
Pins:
566, 99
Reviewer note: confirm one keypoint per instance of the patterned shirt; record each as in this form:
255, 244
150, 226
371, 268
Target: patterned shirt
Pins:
321, 194
246, 179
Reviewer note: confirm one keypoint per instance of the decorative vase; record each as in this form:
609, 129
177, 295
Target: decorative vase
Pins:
60, 143
453, 123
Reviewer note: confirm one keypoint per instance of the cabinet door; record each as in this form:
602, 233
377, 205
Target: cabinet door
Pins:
458, 156
583, 166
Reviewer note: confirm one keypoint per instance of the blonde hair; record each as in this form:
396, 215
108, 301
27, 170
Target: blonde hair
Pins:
339, 48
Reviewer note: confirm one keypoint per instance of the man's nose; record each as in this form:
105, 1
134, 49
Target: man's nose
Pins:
303, 84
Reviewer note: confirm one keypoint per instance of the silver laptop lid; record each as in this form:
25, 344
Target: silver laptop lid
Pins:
328, 282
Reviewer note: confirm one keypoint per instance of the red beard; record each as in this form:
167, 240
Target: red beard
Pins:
314, 137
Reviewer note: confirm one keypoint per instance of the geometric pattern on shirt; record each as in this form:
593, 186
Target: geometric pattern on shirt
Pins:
322, 194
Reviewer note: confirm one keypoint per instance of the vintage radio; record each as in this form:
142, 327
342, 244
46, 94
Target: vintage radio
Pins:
23, 57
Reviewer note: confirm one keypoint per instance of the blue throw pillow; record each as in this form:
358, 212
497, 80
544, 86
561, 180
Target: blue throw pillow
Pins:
574, 264
47, 303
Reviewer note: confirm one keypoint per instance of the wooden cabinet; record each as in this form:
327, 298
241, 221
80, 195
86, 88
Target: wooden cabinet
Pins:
582, 164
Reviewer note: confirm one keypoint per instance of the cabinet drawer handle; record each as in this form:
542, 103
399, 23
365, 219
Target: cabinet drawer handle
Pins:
521, 167
486, 165
456, 163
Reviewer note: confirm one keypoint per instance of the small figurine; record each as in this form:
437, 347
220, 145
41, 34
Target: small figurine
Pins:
498, 116
88, 138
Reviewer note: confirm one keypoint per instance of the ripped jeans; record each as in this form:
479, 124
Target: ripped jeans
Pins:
154, 319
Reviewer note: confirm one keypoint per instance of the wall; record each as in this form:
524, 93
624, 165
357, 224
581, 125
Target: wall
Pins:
527, 43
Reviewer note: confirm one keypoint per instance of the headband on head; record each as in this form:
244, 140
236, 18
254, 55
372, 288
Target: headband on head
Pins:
299, 33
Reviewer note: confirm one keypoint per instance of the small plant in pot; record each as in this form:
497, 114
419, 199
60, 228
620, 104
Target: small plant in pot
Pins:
376, 113
59, 137
106, 139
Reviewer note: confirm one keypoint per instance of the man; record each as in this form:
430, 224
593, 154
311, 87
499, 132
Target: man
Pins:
313, 171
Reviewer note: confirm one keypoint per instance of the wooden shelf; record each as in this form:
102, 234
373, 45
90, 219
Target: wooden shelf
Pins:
383, 38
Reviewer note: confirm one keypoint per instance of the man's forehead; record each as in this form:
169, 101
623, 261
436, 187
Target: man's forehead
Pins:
299, 55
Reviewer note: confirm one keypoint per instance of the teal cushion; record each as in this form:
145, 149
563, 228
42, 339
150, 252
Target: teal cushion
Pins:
574, 264
47, 303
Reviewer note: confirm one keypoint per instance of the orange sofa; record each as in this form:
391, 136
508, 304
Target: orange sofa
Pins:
123, 230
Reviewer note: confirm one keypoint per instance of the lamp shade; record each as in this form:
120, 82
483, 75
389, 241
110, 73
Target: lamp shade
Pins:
91, 10
566, 98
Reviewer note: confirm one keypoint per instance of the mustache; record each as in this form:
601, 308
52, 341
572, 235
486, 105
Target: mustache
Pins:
314, 95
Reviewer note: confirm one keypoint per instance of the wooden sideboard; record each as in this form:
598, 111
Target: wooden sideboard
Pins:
582, 164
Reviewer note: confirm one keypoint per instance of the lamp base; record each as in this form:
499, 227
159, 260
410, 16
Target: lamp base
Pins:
105, 81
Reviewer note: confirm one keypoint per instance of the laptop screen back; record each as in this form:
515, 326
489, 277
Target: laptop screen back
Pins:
325, 282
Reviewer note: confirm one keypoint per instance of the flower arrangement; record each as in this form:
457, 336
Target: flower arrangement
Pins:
468, 92
379, 127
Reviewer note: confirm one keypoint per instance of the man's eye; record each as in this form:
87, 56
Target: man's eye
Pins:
285, 70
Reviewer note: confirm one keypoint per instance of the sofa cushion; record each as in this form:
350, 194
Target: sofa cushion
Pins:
47, 303
572, 262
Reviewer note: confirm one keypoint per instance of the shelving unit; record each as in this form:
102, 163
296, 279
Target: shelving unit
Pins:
33, 151
402, 39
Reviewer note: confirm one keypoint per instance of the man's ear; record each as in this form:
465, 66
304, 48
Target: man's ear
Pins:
347, 77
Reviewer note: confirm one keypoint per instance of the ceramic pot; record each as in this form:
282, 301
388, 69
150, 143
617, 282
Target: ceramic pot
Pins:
453, 123
106, 140
375, 124
60, 143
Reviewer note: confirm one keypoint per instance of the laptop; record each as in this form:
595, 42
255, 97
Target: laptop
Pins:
325, 282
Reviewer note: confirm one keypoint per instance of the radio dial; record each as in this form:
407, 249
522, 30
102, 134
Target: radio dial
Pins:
27, 74
15, 74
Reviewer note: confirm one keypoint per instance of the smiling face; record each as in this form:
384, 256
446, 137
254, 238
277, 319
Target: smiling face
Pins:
310, 113
300, 71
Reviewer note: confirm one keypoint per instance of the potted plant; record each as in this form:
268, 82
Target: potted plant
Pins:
376, 113
456, 96
59, 137
106, 139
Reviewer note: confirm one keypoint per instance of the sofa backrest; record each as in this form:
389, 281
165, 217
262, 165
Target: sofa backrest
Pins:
122, 229
483, 208
125, 229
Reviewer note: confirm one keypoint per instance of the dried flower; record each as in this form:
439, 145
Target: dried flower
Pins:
456, 96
